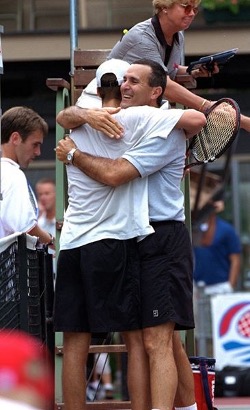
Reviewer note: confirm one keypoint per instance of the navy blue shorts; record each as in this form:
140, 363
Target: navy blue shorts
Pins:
167, 276
98, 288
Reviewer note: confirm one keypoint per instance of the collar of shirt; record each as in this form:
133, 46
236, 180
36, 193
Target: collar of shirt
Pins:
159, 33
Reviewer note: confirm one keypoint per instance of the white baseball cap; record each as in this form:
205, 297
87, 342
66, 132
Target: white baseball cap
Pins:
113, 66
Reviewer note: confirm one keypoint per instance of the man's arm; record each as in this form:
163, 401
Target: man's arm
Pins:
191, 122
119, 171
112, 172
100, 119
43, 236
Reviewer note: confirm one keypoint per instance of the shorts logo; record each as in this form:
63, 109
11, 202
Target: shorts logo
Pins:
155, 313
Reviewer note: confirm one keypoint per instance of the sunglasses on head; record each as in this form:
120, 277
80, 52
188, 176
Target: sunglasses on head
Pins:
188, 8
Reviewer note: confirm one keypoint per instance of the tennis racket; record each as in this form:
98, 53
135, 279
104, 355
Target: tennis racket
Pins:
220, 131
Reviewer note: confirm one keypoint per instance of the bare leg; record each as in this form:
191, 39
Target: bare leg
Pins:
185, 391
75, 347
138, 371
158, 342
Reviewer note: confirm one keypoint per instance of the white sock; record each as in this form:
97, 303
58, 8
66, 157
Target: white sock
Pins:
193, 407
108, 386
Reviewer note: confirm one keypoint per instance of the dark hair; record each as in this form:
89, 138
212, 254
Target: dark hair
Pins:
158, 76
22, 120
112, 90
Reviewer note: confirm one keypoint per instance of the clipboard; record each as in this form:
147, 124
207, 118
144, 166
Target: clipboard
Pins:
208, 61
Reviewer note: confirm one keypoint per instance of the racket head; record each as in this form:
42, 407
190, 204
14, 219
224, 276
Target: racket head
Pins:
220, 131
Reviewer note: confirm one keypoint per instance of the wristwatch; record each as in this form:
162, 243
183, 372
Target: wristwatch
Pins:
52, 240
70, 155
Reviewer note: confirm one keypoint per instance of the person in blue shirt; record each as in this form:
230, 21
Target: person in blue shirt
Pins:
218, 255
217, 262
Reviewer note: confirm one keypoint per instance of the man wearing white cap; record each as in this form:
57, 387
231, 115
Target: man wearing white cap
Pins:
142, 123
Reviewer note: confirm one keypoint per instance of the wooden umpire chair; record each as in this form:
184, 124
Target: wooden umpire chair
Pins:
67, 93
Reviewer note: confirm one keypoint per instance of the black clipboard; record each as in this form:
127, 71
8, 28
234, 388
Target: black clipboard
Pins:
208, 61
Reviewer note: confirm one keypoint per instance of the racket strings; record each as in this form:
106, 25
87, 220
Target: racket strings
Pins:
215, 136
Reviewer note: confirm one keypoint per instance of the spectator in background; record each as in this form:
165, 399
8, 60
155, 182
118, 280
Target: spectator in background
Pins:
26, 375
22, 134
46, 196
218, 254
101, 385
